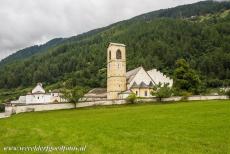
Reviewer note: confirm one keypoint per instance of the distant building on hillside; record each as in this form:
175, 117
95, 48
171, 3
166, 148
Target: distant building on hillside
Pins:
120, 84
39, 96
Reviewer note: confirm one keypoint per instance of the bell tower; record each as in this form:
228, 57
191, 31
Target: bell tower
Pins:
116, 70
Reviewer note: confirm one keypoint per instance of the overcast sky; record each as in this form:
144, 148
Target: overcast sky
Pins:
28, 22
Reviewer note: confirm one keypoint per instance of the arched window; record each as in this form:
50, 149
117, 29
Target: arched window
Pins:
118, 54
109, 55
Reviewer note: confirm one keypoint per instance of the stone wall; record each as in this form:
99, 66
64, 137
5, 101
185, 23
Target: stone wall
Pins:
103, 102
9, 110
197, 98
15, 109
191, 98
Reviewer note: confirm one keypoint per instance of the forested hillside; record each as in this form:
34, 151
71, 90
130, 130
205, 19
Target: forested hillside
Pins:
199, 33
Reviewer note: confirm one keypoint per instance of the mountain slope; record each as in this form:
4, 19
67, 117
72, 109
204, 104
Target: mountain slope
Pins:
156, 39
183, 11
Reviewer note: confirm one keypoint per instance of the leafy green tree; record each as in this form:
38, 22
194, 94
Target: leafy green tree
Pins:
74, 95
185, 78
162, 91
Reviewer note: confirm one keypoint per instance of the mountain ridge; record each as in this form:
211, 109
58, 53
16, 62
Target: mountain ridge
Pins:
170, 12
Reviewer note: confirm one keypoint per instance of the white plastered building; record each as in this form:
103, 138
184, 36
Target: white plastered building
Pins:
39, 96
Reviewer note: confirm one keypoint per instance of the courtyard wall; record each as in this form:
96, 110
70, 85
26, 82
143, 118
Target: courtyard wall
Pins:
11, 109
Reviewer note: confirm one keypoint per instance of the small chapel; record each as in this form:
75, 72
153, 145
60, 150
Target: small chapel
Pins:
120, 83
39, 96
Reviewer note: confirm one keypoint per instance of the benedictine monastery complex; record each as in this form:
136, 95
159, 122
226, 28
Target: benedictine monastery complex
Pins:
120, 84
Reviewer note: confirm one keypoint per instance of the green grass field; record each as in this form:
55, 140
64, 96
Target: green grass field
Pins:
195, 127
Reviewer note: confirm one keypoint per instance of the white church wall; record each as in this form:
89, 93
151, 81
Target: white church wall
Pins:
22, 99
38, 98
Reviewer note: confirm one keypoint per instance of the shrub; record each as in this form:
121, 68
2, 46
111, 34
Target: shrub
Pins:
185, 95
132, 98
74, 95
162, 92
221, 92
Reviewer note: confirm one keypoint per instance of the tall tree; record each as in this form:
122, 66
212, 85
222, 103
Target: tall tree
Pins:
185, 78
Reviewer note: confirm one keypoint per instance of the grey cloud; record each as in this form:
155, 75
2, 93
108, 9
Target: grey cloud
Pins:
27, 22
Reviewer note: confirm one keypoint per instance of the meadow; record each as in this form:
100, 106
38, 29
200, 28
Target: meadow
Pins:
187, 127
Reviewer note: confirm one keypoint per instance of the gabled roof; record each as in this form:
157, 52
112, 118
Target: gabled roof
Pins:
96, 93
143, 85
134, 85
38, 89
151, 84
131, 74
126, 92
159, 77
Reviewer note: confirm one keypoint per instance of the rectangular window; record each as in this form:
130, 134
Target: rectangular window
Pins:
146, 93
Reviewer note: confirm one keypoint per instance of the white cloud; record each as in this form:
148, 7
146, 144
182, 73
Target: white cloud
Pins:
27, 22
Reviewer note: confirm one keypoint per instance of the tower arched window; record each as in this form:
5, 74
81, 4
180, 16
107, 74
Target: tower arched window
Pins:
109, 55
118, 54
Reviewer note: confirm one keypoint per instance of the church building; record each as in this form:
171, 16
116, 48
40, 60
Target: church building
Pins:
120, 84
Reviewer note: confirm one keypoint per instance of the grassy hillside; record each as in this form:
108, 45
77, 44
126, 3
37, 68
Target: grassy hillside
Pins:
199, 127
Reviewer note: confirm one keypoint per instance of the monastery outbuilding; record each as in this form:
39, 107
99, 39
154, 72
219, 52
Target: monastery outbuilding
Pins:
39, 96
